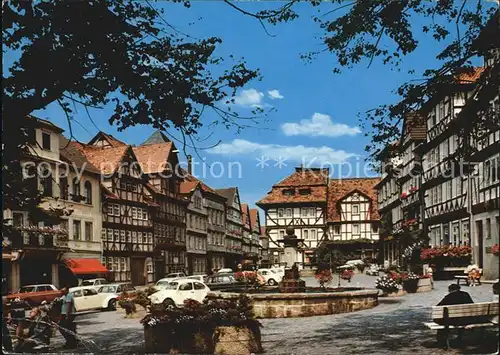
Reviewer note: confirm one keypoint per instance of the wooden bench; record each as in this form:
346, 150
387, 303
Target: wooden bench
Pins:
481, 315
466, 278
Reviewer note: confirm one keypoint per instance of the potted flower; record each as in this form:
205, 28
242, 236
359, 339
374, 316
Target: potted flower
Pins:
403, 195
347, 274
387, 285
324, 277
410, 282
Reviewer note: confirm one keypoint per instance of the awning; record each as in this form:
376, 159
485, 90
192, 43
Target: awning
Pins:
85, 266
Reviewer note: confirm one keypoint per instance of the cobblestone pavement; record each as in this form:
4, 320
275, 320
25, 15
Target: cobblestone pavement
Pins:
393, 327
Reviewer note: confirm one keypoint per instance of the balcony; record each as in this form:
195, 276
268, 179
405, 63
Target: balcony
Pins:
168, 243
439, 128
39, 237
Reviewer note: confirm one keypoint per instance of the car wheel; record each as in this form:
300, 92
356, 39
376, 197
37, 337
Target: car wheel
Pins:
168, 303
112, 305
272, 282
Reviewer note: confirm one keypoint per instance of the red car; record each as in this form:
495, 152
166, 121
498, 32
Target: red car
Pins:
36, 294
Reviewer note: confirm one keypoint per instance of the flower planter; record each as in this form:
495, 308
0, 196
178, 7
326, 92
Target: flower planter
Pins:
237, 341
424, 285
186, 342
411, 286
399, 293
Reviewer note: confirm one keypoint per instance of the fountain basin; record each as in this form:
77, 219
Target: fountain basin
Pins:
306, 304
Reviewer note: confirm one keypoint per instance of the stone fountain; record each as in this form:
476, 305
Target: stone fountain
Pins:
291, 281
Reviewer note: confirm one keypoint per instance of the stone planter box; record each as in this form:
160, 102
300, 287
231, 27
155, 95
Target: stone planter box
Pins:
223, 341
237, 341
424, 285
305, 304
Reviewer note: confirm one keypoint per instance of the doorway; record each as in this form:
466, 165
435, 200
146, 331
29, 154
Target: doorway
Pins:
479, 238
137, 271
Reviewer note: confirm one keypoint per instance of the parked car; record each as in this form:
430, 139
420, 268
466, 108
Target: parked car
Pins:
95, 282
178, 291
271, 277
223, 281
224, 270
278, 270
201, 278
87, 298
111, 293
174, 275
36, 294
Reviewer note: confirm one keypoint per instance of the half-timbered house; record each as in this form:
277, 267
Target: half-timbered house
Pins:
127, 225
298, 201
159, 161
247, 232
234, 226
255, 235
196, 227
353, 216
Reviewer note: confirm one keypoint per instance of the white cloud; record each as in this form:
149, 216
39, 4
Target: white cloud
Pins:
275, 95
319, 125
249, 98
299, 153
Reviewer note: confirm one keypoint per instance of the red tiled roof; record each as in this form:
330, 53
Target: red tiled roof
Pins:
244, 213
153, 157
187, 187
471, 76
106, 160
189, 177
108, 194
254, 213
340, 188
115, 143
303, 178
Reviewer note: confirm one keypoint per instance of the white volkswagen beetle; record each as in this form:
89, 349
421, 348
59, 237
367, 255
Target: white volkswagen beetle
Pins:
271, 277
178, 291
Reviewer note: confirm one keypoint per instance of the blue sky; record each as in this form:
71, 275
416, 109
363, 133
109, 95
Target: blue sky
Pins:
315, 110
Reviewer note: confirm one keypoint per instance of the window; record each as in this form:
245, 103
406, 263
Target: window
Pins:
304, 191
186, 287
487, 228
374, 228
134, 212
355, 209
18, 219
116, 210
89, 292
77, 230
46, 140
46, 182
289, 192
280, 212
313, 234
63, 186
336, 229
87, 191
355, 229
312, 211
282, 234
77, 293
89, 230
306, 234
198, 286
289, 212
76, 190
303, 212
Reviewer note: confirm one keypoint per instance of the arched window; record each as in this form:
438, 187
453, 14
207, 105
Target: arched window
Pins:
87, 191
76, 190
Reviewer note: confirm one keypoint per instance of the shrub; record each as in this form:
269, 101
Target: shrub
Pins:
142, 299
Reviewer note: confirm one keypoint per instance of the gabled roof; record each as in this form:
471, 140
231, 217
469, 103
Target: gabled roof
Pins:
157, 138
470, 76
40, 122
415, 126
204, 187
153, 158
70, 152
244, 214
106, 160
188, 187
338, 189
228, 193
112, 141
254, 217
313, 179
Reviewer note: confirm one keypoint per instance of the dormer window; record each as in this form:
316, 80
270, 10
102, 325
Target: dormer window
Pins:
46, 140
289, 192
305, 191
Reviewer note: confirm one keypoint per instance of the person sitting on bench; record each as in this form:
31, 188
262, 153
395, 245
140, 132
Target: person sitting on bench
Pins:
473, 275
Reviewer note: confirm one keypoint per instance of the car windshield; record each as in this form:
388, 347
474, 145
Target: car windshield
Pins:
27, 289
88, 283
162, 283
108, 289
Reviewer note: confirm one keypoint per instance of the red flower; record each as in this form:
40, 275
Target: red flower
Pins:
495, 249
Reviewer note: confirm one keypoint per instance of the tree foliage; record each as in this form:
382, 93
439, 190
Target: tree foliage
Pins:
100, 52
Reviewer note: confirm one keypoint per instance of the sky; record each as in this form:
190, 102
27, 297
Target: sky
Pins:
314, 111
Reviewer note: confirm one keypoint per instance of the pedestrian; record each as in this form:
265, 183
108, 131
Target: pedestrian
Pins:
6, 339
67, 324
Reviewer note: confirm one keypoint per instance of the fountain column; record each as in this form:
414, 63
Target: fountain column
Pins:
291, 281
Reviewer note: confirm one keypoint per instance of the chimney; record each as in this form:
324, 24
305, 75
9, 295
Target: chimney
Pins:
189, 159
